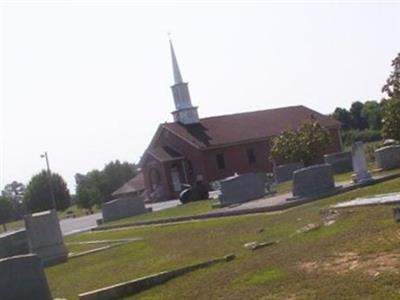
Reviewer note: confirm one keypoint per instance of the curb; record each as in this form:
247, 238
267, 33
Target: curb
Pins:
129, 288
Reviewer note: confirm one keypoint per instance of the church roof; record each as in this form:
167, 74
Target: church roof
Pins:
242, 127
164, 153
136, 184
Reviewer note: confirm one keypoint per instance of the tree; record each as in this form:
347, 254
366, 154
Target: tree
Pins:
96, 186
305, 144
391, 105
115, 175
286, 146
392, 85
371, 112
14, 192
391, 119
87, 197
314, 140
6, 211
344, 117
358, 121
37, 196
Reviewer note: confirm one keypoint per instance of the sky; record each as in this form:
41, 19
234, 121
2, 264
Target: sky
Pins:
89, 81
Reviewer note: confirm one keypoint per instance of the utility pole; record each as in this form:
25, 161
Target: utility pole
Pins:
53, 200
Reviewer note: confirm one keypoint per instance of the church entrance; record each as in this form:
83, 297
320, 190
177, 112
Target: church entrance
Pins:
176, 181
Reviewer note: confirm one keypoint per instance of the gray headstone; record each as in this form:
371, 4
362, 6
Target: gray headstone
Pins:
388, 157
22, 278
285, 172
361, 174
241, 188
122, 208
341, 162
313, 181
45, 237
14, 243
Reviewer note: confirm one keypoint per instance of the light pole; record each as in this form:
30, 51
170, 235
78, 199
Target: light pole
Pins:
53, 201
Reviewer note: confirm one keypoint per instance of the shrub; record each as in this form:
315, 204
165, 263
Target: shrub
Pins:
366, 136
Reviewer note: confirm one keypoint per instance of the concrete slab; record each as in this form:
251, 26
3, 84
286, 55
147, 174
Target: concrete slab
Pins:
372, 200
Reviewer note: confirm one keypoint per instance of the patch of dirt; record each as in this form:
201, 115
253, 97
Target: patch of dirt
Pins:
339, 263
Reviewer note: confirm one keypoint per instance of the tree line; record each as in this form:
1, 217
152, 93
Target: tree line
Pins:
373, 120
369, 121
92, 188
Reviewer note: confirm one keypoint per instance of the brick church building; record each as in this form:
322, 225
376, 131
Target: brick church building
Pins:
209, 149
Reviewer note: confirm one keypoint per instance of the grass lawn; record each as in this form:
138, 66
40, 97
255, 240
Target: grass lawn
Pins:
357, 257
13, 226
77, 211
188, 209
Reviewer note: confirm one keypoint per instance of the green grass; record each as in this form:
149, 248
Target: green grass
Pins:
262, 276
13, 226
269, 273
77, 211
189, 209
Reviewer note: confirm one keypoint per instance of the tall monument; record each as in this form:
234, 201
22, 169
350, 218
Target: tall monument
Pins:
185, 112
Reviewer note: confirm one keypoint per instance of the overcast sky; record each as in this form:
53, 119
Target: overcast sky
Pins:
89, 81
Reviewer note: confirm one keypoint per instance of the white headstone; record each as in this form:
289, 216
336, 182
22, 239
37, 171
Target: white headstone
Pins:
361, 174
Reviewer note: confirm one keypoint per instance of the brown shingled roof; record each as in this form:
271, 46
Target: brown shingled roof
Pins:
236, 128
136, 184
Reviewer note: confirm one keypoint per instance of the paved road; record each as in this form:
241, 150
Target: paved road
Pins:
71, 226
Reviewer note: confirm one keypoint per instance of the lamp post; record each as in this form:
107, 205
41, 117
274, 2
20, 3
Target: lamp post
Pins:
53, 201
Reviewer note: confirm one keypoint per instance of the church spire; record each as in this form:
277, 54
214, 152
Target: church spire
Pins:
185, 113
175, 66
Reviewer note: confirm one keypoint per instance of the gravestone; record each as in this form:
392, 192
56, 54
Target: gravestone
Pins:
388, 157
122, 208
361, 174
45, 237
22, 278
313, 181
341, 162
241, 188
14, 243
285, 172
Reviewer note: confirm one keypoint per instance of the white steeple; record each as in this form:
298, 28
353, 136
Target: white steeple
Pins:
175, 66
185, 112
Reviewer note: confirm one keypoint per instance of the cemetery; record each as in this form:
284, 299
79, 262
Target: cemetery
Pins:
165, 248
282, 202
146, 254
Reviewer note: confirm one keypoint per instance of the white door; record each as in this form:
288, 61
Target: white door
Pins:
176, 182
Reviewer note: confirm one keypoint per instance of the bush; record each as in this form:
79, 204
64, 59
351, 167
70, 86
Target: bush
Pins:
306, 144
366, 136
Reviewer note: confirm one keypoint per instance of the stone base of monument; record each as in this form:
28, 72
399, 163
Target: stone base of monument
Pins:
23, 277
313, 181
241, 188
361, 179
123, 208
45, 237
388, 157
